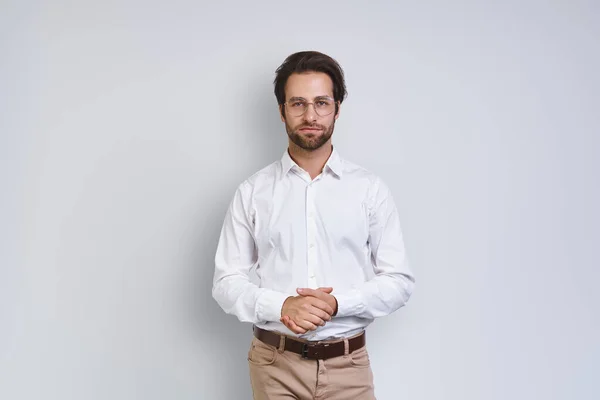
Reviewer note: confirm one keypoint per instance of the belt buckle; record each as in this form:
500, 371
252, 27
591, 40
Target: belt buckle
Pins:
305, 351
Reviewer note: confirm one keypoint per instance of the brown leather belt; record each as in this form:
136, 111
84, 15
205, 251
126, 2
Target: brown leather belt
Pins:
316, 351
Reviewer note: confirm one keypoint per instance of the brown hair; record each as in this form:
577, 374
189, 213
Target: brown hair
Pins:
310, 61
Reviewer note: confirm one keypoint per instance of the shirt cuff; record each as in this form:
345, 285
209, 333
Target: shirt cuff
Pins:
349, 303
268, 305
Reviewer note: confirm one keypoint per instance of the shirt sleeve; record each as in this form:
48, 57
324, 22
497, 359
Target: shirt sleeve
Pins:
393, 283
236, 255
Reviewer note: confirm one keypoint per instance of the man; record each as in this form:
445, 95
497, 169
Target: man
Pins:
324, 236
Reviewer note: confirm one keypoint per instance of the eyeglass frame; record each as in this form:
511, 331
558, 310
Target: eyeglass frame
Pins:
336, 103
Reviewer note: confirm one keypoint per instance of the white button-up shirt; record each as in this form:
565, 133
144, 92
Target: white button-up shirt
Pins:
338, 230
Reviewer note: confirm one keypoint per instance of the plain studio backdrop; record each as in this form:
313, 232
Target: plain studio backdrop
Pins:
127, 125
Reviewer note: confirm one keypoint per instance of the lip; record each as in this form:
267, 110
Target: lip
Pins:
310, 130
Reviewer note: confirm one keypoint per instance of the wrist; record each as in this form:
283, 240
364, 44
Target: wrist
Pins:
335, 309
283, 305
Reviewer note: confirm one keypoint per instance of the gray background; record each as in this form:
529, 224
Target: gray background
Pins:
127, 125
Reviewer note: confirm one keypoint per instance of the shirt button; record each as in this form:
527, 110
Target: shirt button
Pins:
311, 246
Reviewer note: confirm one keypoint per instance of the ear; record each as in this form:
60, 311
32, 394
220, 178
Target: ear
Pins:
281, 114
339, 109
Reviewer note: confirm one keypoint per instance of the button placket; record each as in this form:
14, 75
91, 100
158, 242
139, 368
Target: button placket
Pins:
310, 236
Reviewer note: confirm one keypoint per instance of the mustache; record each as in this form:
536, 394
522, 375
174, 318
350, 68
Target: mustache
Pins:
311, 127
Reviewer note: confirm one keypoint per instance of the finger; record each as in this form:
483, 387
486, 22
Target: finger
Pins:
312, 318
327, 290
312, 292
291, 325
284, 321
305, 324
316, 307
295, 328
320, 304
320, 313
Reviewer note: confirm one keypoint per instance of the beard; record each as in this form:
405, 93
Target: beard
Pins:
310, 141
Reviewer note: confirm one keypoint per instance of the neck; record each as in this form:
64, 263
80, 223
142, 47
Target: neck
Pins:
312, 161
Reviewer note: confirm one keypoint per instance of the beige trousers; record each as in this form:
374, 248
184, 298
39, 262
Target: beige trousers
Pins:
276, 375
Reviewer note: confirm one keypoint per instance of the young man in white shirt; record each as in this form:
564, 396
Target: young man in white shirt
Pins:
325, 238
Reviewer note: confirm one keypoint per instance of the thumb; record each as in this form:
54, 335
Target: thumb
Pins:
326, 289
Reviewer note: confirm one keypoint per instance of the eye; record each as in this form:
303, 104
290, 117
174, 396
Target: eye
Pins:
297, 104
321, 103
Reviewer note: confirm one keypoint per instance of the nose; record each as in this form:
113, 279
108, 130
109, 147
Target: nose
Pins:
310, 114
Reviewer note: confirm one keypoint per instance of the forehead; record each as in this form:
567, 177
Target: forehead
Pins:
308, 85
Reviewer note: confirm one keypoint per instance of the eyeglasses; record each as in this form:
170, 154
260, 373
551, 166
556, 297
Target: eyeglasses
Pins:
323, 106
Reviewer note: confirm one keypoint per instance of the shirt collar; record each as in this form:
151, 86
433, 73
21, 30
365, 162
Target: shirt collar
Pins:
334, 163
286, 163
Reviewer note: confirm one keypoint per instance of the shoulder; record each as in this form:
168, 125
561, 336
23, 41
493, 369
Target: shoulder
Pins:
357, 172
259, 179
377, 191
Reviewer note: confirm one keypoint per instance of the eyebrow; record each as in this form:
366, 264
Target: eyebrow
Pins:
316, 98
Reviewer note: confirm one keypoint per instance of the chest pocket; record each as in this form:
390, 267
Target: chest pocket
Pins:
346, 223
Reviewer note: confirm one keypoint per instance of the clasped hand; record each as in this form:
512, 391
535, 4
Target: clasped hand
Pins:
310, 309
